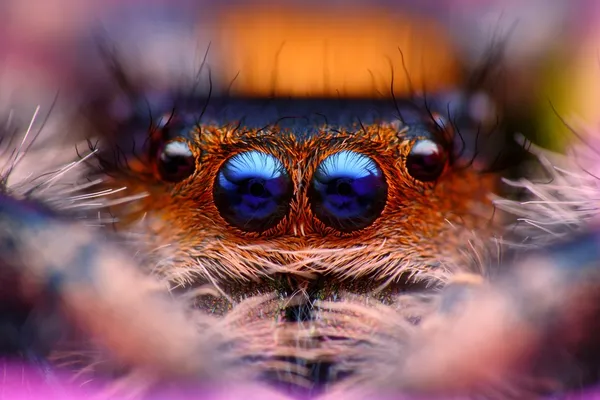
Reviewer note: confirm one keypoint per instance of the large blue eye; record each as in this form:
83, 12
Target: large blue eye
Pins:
348, 191
252, 191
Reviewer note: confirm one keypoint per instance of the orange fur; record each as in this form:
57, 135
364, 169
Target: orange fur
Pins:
420, 225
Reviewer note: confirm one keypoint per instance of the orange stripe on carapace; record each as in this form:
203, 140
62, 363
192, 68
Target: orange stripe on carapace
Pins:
347, 52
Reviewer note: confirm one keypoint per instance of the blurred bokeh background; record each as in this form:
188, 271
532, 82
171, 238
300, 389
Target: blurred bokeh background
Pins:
551, 61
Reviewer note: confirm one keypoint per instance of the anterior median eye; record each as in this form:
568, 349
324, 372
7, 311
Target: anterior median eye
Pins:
253, 191
348, 191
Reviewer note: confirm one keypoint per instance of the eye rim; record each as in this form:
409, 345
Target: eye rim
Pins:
283, 209
432, 176
381, 204
177, 176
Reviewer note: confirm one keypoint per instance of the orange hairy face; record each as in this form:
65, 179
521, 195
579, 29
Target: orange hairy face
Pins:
233, 203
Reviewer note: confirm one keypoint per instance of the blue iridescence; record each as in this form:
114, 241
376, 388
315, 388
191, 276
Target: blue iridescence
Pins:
348, 191
253, 191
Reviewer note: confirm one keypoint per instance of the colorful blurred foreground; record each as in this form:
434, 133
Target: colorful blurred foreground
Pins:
19, 382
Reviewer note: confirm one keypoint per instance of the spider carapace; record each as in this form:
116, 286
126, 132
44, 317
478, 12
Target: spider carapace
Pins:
294, 201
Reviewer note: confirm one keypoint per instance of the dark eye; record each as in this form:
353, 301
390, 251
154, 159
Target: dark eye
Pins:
426, 160
348, 191
175, 161
252, 191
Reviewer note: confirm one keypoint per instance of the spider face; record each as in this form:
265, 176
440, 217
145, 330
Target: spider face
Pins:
360, 195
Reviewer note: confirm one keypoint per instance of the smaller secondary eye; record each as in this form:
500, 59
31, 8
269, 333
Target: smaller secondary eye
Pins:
175, 161
348, 191
426, 160
253, 191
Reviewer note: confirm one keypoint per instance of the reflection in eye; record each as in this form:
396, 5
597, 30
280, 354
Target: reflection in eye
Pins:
252, 191
348, 191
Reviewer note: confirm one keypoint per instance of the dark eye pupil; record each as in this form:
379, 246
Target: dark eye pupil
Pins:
344, 188
176, 162
426, 160
172, 165
257, 188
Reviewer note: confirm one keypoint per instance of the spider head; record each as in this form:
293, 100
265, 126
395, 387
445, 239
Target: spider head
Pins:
376, 190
